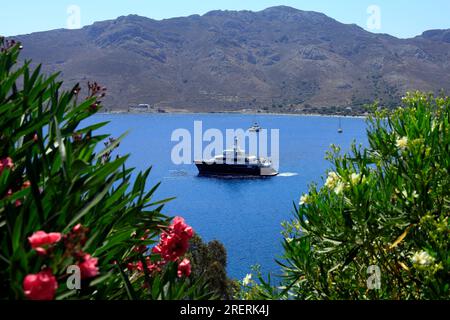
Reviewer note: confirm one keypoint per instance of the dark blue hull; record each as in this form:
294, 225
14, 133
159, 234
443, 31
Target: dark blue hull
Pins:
233, 169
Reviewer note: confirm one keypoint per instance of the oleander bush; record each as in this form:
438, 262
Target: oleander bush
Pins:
76, 222
378, 228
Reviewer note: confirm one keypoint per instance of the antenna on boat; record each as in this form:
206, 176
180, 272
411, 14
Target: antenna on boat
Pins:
235, 148
340, 126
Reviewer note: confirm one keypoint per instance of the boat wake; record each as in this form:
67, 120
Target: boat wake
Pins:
176, 174
288, 174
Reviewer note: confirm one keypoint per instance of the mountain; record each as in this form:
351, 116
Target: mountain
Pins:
277, 60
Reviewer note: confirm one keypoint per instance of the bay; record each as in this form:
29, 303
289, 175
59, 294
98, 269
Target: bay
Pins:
244, 214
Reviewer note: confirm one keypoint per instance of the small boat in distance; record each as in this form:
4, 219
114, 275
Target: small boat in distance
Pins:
255, 128
235, 162
340, 130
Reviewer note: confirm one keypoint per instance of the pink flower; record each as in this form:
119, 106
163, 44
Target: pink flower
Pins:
151, 266
139, 266
26, 184
88, 267
131, 266
175, 242
6, 163
77, 228
171, 246
154, 266
180, 228
40, 286
184, 268
41, 251
41, 238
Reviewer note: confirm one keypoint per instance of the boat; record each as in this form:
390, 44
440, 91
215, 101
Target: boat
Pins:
340, 130
255, 128
235, 162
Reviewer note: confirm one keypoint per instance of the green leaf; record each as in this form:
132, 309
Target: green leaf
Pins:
91, 203
129, 287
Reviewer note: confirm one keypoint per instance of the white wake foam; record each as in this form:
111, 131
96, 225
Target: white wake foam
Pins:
288, 174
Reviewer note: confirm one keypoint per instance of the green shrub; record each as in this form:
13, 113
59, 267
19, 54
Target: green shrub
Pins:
382, 214
65, 204
209, 261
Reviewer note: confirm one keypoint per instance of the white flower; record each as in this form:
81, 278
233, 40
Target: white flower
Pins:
414, 194
355, 178
422, 258
304, 199
402, 143
340, 186
247, 279
289, 240
433, 125
332, 179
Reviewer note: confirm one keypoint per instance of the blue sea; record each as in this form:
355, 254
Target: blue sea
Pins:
244, 214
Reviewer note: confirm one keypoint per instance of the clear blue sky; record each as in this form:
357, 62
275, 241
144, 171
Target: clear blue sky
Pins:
401, 18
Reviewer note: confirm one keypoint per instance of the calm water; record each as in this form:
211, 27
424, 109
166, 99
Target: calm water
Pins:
244, 214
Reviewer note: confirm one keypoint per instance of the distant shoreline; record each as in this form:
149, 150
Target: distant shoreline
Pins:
167, 113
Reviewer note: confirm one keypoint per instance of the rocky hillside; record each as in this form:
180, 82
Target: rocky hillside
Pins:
277, 60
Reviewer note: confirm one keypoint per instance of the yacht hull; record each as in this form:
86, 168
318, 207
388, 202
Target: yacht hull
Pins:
224, 169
